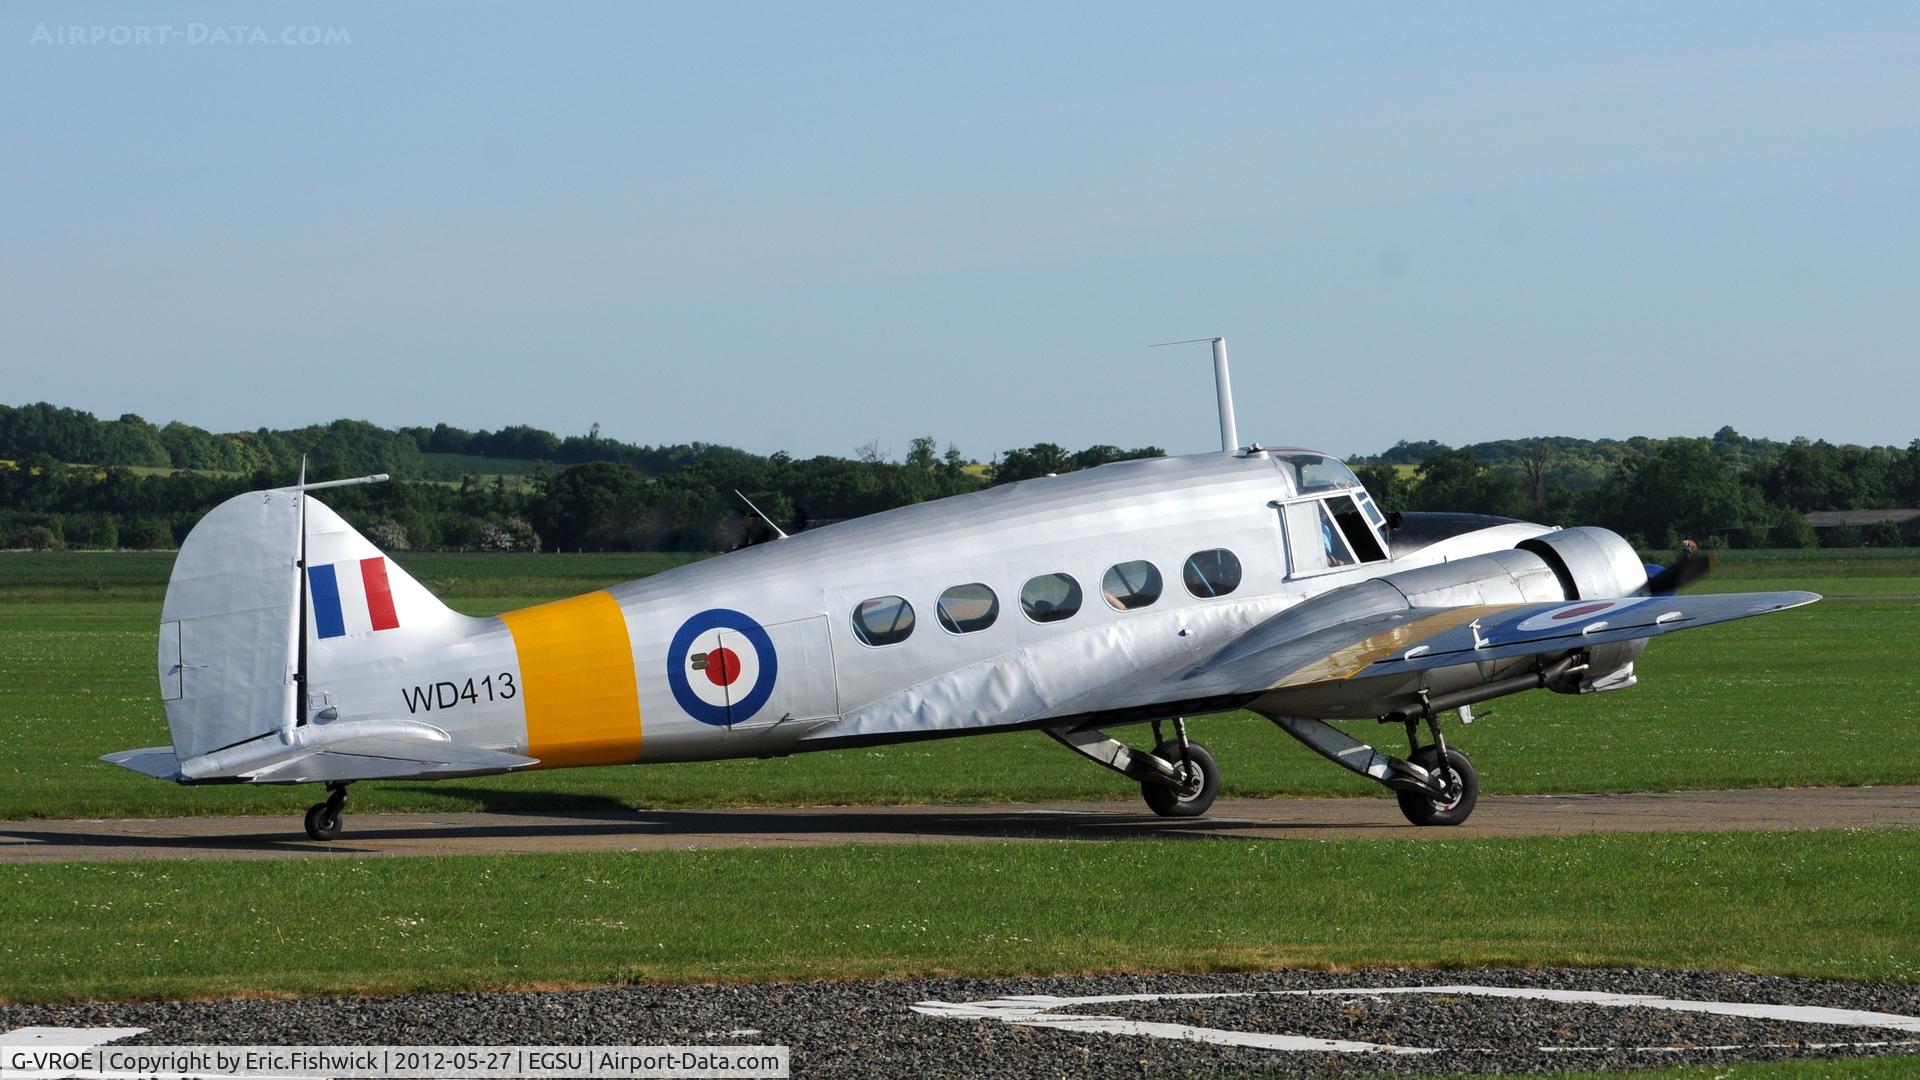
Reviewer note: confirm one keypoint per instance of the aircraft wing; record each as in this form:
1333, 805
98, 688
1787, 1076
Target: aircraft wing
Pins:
1282, 654
1529, 629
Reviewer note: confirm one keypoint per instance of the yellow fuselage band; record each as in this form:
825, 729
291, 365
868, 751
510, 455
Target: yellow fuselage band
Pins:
576, 675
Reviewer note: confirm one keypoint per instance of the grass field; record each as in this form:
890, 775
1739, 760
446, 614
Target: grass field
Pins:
1823, 695
87, 930
1829, 1069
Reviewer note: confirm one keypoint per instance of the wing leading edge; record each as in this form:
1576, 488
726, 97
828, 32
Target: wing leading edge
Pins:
1508, 631
1337, 663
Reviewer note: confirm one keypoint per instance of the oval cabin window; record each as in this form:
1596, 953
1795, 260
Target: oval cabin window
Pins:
1050, 598
883, 620
965, 609
1130, 585
1210, 573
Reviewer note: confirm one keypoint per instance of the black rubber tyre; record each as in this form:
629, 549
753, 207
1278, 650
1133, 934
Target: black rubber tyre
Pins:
1195, 797
323, 822
1464, 791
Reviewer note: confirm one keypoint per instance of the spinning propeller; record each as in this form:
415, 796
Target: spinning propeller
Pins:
1691, 567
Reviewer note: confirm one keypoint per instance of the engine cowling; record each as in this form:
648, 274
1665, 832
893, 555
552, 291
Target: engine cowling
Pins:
1590, 563
1568, 564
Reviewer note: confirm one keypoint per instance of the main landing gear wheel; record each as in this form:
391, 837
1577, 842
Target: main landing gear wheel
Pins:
1463, 790
323, 818
1199, 782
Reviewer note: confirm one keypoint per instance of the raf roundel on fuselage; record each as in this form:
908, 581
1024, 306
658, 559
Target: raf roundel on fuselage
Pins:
721, 667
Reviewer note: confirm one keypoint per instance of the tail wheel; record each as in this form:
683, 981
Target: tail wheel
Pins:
323, 818
1199, 782
1463, 790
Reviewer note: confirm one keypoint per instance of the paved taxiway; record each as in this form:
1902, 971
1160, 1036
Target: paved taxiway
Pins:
667, 830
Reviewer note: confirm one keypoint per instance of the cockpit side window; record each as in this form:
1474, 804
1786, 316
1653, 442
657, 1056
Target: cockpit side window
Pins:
1378, 520
1357, 529
1331, 540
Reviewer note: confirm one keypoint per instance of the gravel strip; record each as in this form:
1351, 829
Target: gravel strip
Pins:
868, 1028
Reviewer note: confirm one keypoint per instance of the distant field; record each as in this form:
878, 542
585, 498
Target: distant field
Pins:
455, 466
82, 576
1720, 901
1824, 695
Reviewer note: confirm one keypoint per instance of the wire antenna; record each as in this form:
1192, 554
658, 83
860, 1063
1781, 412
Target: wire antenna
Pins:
1222, 389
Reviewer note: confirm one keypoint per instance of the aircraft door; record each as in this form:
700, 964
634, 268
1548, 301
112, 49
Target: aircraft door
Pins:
780, 676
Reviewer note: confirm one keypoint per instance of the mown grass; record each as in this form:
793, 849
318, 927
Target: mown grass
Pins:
1815, 1069
91, 930
1823, 695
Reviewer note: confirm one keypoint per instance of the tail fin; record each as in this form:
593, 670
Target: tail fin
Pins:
240, 618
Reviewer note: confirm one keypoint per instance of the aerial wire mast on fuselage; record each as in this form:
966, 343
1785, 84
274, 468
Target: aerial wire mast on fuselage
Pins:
292, 650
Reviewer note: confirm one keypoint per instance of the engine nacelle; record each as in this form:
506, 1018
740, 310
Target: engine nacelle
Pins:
1595, 564
1590, 563
1569, 564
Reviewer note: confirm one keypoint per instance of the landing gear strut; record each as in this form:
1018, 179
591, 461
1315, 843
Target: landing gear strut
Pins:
1436, 785
1178, 779
1197, 778
1460, 785
323, 818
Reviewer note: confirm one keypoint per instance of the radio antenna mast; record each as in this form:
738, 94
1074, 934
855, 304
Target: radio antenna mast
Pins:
1222, 388
778, 532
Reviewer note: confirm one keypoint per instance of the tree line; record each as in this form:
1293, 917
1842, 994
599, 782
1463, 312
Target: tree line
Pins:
673, 498
1724, 490
77, 481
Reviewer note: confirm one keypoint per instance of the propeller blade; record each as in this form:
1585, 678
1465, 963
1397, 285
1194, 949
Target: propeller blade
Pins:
1689, 569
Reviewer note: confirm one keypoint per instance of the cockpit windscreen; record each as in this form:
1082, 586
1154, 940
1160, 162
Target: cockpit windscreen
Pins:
1315, 472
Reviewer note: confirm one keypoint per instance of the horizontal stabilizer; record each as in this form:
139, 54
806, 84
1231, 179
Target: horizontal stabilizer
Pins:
345, 750
154, 761
390, 759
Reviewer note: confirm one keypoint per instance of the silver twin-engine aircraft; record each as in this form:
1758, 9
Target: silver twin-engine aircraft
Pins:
293, 651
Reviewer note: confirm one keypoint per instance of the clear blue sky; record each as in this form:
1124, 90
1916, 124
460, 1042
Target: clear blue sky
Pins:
807, 226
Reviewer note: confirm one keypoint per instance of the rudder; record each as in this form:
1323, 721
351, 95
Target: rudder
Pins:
231, 642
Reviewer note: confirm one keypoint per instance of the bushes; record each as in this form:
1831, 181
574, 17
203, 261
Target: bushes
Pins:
35, 538
147, 534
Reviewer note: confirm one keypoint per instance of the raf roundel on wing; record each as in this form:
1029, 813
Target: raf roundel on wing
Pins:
1585, 612
721, 667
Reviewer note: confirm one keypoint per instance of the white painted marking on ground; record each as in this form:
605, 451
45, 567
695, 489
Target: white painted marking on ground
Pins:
1799, 1014
29, 1037
1035, 1010
1025, 1012
59, 1036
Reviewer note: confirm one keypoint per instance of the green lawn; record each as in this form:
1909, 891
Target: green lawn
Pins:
89, 930
1821, 1069
1819, 696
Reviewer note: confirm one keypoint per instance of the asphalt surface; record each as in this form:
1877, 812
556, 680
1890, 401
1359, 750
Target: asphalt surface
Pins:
661, 830
873, 1028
